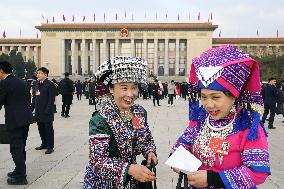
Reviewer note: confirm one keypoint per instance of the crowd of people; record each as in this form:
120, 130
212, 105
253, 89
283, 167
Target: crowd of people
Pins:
226, 129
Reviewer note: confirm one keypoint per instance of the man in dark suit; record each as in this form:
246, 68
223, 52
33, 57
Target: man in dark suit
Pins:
18, 117
44, 98
269, 94
66, 89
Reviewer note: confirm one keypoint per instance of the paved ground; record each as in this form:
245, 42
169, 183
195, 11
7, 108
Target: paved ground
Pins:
66, 166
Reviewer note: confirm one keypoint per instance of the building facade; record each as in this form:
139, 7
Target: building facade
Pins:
168, 47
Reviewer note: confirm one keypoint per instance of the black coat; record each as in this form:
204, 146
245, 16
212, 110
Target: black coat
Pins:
66, 89
14, 97
270, 95
44, 100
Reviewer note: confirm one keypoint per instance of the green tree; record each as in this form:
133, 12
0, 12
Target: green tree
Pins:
19, 66
30, 69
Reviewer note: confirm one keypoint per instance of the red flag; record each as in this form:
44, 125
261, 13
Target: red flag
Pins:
73, 18
220, 33
84, 18
53, 19
198, 16
94, 17
63, 17
104, 17
178, 17
116, 16
257, 33
4, 34
277, 34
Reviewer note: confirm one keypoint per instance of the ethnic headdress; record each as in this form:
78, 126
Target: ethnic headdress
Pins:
121, 69
226, 68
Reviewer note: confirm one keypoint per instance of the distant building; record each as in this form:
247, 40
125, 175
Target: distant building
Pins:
168, 47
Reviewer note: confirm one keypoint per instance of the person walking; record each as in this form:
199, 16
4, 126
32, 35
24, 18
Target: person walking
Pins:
45, 93
18, 117
155, 92
119, 131
79, 89
270, 95
171, 92
66, 89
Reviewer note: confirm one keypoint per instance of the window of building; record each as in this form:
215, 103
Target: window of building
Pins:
139, 49
79, 46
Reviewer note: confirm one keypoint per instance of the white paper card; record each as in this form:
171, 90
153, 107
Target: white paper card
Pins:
183, 160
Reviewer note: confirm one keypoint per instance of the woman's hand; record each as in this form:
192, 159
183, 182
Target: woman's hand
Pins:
198, 179
151, 158
175, 170
141, 173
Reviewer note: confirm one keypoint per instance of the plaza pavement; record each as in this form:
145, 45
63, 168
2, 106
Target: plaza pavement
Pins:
66, 166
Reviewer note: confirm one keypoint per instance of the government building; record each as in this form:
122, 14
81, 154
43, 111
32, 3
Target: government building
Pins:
168, 47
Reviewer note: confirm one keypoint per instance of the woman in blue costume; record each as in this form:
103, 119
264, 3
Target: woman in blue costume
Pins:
119, 131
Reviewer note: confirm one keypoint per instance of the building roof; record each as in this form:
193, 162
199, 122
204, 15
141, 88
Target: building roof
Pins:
130, 26
247, 40
19, 41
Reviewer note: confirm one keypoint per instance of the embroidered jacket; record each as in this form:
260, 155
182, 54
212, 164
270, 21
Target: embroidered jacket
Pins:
247, 162
114, 145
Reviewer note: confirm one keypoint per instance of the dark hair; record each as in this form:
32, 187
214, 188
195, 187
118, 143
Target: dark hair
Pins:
271, 78
34, 77
44, 70
6, 67
66, 74
172, 81
228, 93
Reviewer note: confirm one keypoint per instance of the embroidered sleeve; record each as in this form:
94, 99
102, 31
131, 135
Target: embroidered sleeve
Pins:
111, 169
188, 137
255, 168
149, 145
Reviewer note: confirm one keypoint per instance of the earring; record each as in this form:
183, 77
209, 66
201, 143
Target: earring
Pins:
233, 109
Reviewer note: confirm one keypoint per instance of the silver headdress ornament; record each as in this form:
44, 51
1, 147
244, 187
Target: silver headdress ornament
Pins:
121, 69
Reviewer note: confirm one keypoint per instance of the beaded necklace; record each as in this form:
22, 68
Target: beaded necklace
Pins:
126, 115
212, 141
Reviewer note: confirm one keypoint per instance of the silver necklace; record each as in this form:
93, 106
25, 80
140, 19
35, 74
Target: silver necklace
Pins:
203, 144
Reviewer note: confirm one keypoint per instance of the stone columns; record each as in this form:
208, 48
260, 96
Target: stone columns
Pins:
84, 58
104, 50
73, 56
94, 62
132, 48
177, 58
188, 58
145, 49
166, 73
156, 56
116, 48
63, 61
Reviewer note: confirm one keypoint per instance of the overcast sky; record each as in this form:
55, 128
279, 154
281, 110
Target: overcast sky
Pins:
235, 18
